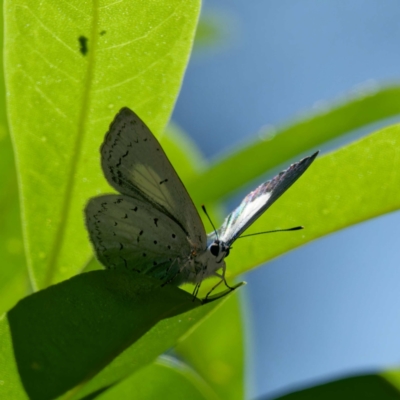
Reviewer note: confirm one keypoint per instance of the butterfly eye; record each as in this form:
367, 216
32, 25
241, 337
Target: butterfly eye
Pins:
214, 249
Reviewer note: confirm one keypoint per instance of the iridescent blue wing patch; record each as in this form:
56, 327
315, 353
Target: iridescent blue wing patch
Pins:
259, 200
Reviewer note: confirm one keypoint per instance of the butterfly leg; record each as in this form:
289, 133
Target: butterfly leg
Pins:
197, 287
215, 286
223, 278
196, 290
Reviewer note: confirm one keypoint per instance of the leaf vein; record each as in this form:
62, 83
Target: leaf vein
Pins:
147, 34
44, 26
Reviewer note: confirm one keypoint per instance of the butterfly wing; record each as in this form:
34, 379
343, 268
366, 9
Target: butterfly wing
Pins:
256, 202
131, 233
135, 164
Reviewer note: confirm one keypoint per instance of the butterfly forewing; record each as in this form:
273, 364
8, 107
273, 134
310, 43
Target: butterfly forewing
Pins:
130, 233
256, 202
135, 164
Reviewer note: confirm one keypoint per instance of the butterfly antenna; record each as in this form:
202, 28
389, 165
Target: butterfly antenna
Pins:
296, 228
205, 212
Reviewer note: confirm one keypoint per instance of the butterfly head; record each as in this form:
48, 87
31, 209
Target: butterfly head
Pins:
219, 250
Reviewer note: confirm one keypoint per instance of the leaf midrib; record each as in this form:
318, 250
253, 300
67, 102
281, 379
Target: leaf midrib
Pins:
69, 190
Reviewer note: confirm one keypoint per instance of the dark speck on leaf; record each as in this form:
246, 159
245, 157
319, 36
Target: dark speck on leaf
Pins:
102, 33
83, 41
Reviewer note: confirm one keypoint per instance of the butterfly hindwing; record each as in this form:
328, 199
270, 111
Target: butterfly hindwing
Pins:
135, 164
130, 233
259, 200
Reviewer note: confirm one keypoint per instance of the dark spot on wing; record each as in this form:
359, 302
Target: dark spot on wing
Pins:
83, 42
126, 216
154, 263
134, 209
155, 242
127, 152
165, 180
121, 246
169, 247
115, 223
173, 236
144, 254
155, 222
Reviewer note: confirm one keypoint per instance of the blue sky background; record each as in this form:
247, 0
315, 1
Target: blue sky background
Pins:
332, 307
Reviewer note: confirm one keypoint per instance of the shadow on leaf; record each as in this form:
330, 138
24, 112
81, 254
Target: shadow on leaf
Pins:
63, 335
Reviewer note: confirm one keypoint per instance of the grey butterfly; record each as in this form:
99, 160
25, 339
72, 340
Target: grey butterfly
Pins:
152, 227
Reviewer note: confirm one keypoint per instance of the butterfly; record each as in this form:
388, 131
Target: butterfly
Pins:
152, 226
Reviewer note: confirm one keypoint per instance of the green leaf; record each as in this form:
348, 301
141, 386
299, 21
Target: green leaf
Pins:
63, 335
288, 142
165, 379
70, 67
343, 188
357, 387
14, 288
93, 265
13, 272
10, 385
208, 31
216, 350
159, 339
393, 377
